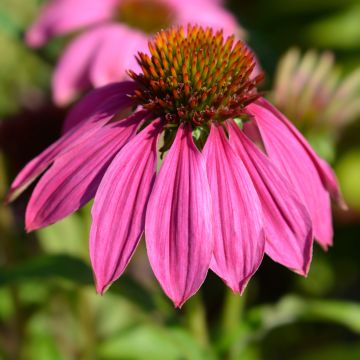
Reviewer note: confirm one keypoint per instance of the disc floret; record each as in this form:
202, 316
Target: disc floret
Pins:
195, 77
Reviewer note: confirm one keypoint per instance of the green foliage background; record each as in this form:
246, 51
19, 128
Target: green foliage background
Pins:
48, 305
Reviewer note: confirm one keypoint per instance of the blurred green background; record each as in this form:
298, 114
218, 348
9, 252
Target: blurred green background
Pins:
48, 305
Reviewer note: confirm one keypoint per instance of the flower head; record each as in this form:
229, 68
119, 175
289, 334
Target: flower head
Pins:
318, 97
195, 78
218, 200
112, 31
309, 88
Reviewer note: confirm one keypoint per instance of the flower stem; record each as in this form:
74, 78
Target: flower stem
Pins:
230, 320
232, 311
196, 319
87, 318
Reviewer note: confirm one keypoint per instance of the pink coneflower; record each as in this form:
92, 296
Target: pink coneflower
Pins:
113, 30
310, 89
217, 202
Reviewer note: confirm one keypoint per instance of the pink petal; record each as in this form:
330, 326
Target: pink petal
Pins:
85, 108
287, 223
326, 174
238, 220
70, 140
39, 164
62, 16
71, 75
206, 13
96, 58
178, 229
119, 207
74, 177
115, 54
294, 162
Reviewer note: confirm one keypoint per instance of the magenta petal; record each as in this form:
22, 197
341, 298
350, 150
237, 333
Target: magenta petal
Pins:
115, 54
61, 16
326, 174
71, 75
295, 164
238, 220
117, 93
178, 228
39, 164
119, 207
84, 130
96, 58
330, 181
74, 177
287, 223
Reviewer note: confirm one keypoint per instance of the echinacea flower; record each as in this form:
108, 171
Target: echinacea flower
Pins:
113, 30
218, 200
309, 88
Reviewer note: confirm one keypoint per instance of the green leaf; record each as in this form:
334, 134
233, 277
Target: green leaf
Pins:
69, 236
141, 342
190, 349
132, 290
333, 352
48, 266
40, 341
77, 271
340, 31
151, 343
292, 309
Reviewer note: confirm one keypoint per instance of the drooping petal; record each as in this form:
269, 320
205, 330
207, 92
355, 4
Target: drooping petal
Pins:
71, 75
39, 164
120, 205
287, 223
61, 16
84, 109
178, 229
295, 164
96, 58
74, 177
70, 140
330, 181
326, 174
115, 54
238, 220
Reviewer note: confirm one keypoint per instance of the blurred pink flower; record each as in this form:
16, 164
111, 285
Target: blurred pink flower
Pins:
310, 89
218, 201
113, 30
